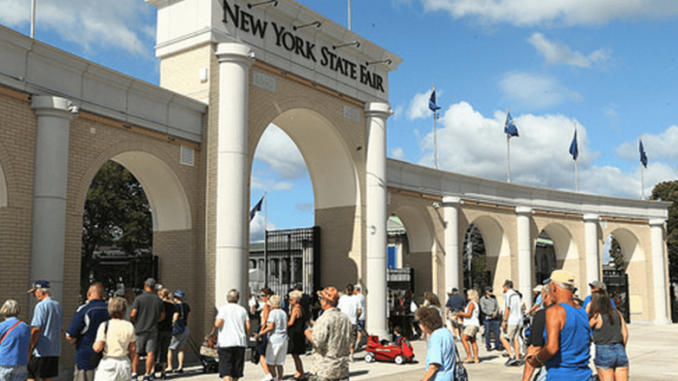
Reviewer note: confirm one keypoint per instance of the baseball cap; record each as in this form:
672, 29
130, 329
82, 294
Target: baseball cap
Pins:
150, 282
597, 283
179, 294
488, 289
329, 293
562, 276
38, 285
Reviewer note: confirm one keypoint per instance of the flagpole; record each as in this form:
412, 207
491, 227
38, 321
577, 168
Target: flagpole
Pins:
642, 173
265, 240
349, 14
576, 164
435, 136
508, 152
33, 6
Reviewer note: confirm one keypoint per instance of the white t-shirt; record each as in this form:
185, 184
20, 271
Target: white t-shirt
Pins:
232, 332
473, 319
361, 304
512, 301
279, 319
348, 304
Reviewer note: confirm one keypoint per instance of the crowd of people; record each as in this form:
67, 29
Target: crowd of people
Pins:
110, 338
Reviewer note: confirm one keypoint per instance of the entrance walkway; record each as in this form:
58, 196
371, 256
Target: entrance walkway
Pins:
650, 351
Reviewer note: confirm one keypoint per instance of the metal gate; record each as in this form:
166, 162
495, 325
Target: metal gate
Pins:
617, 282
286, 258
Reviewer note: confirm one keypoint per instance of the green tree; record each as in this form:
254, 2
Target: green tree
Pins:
116, 216
617, 255
668, 191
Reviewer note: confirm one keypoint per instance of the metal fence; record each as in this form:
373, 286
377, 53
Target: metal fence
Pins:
286, 258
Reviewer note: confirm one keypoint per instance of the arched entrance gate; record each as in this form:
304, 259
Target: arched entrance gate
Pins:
262, 63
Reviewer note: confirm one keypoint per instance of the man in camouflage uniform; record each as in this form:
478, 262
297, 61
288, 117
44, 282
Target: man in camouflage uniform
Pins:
331, 339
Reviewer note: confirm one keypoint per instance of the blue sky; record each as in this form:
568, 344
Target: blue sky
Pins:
608, 65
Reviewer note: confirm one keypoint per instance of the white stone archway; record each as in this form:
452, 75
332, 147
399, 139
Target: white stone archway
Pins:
497, 249
637, 271
169, 204
332, 171
567, 255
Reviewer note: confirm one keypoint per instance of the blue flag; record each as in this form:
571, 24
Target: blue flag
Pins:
257, 208
574, 147
510, 127
643, 156
432, 102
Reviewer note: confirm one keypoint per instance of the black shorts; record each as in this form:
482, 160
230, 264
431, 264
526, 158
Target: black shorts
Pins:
231, 361
43, 367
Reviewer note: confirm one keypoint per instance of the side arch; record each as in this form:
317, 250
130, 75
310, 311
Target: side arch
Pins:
497, 249
169, 203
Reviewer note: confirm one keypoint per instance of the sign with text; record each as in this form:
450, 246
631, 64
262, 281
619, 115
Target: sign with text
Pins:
287, 39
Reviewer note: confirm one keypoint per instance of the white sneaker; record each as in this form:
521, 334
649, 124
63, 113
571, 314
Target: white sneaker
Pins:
267, 377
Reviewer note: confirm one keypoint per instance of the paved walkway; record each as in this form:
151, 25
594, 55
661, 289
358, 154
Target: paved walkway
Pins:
651, 350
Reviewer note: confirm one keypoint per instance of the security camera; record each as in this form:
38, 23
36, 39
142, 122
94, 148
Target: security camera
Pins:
74, 109
436, 205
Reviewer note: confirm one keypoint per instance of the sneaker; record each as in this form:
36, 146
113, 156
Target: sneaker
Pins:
510, 361
146, 378
267, 377
180, 370
134, 376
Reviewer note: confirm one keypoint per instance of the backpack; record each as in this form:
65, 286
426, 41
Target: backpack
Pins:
180, 326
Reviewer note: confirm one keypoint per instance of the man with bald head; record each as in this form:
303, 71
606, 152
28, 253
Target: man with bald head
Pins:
83, 330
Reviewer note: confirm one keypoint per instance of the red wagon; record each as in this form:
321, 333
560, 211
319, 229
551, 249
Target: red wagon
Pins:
401, 352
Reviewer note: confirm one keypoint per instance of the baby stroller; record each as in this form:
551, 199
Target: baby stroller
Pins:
400, 352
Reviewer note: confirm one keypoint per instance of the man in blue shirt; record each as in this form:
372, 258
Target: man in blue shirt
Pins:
47, 326
83, 330
455, 303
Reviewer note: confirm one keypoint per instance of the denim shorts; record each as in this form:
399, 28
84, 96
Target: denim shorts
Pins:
611, 356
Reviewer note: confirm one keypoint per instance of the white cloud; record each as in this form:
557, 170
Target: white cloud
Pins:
536, 92
472, 144
657, 147
398, 153
258, 227
556, 53
561, 12
279, 152
119, 24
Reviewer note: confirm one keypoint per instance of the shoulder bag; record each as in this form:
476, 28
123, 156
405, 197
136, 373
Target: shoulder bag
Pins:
97, 356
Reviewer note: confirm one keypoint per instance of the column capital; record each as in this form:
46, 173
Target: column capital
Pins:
53, 106
235, 52
452, 201
378, 109
523, 210
591, 217
656, 222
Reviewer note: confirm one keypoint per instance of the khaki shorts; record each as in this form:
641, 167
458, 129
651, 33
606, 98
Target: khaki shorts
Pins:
470, 331
510, 332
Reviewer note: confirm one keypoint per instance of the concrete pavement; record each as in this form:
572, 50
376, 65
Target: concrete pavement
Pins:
651, 350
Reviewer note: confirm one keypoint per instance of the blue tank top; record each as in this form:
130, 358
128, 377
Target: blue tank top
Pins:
571, 362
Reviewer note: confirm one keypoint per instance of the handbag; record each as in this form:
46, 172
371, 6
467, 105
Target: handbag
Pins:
97, 356
460, 373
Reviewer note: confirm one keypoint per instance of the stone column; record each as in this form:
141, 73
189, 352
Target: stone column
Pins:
592, 259
48, 234
450, 205
232, 217
659, 272
376, 114
524, 254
